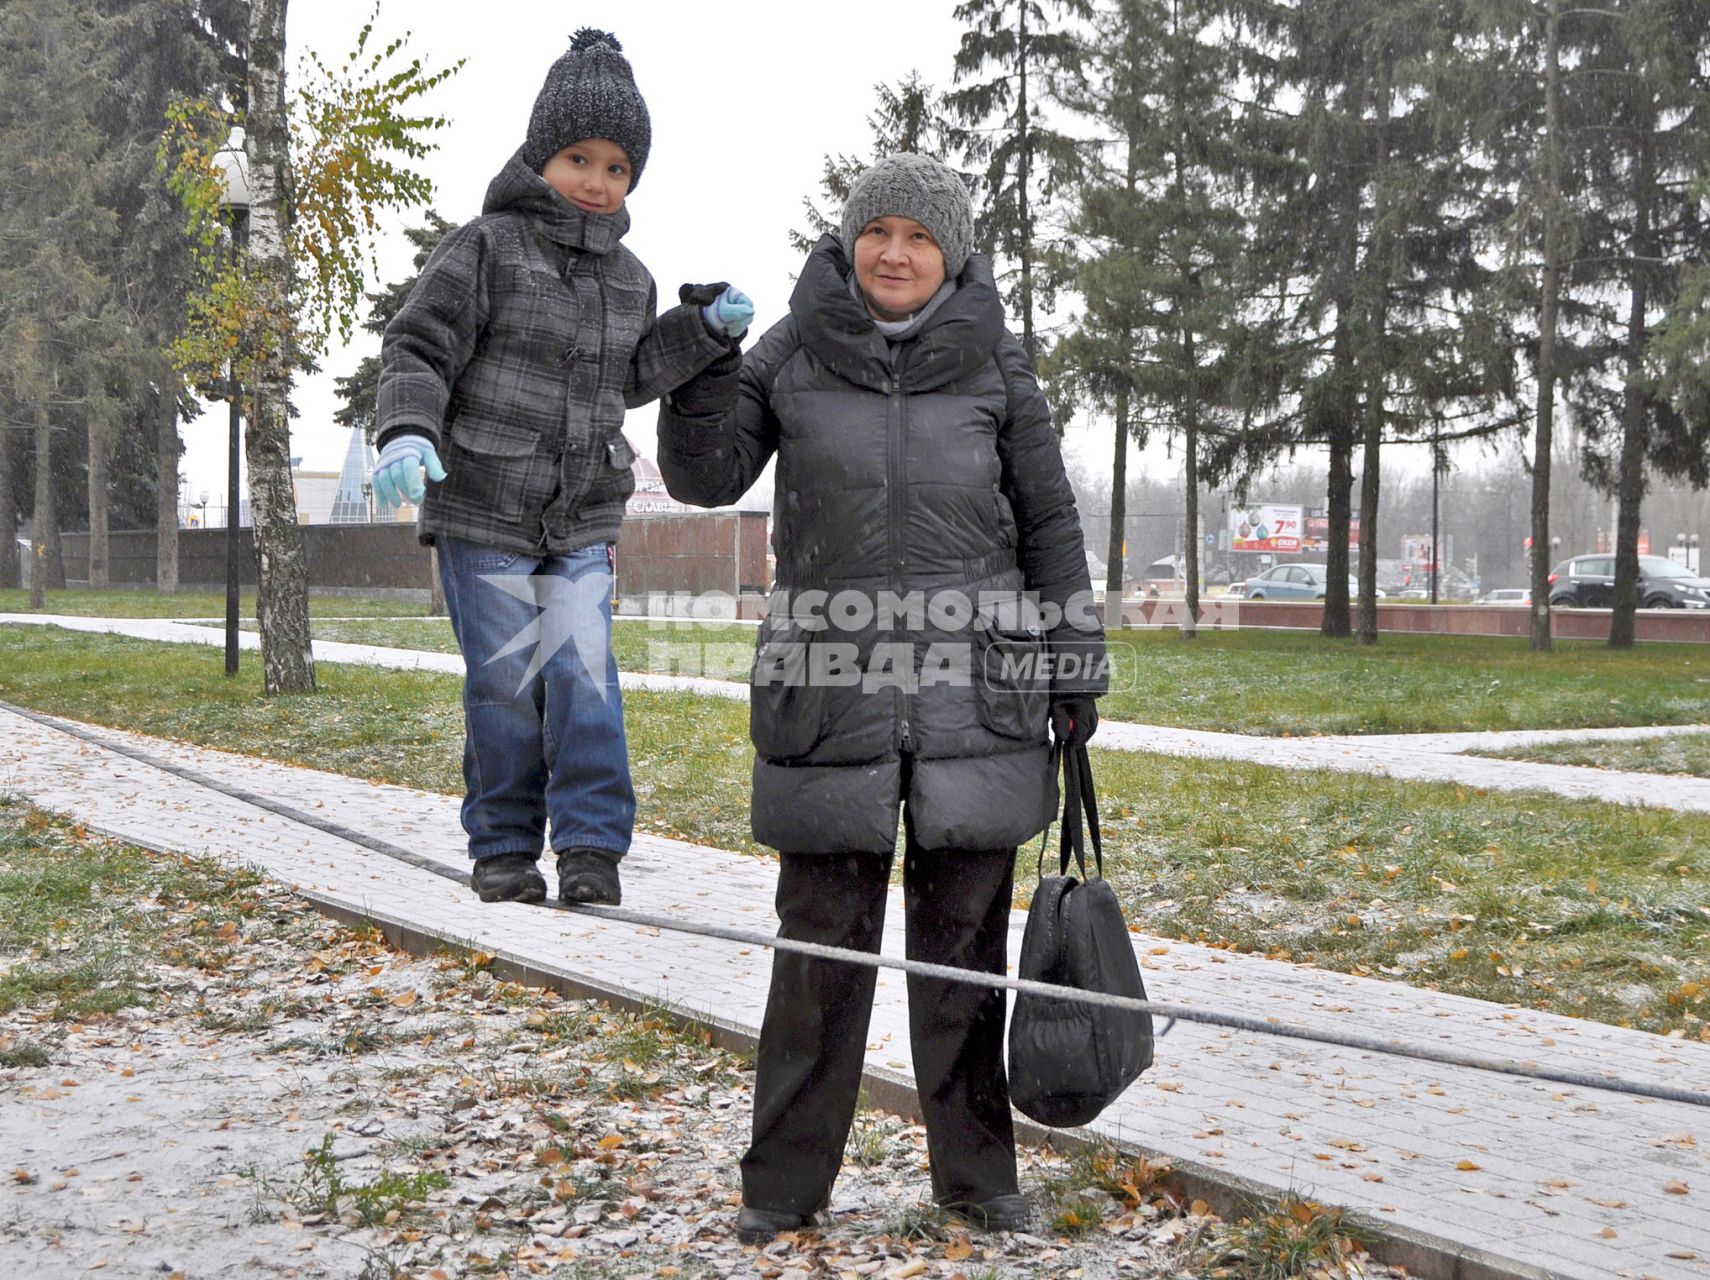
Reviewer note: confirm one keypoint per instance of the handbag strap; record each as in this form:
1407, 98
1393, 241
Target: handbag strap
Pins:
1078, 801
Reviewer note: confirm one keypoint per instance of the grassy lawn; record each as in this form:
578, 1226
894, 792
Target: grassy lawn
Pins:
1594, 910
196, 604
1686, 753
1282, 682
1266, 682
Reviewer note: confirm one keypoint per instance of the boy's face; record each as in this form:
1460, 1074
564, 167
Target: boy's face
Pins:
592, 174
898, 265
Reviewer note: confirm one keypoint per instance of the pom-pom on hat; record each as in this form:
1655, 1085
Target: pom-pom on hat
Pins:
589, 93
918, 187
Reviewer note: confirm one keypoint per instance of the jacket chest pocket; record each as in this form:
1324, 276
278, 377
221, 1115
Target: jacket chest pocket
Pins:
626, 319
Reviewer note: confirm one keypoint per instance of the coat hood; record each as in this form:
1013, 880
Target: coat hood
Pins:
952, 342
519, 189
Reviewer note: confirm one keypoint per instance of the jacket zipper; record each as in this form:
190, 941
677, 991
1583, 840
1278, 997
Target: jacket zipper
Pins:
897, 487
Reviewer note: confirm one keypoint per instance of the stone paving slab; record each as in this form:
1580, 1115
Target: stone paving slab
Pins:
1417, 757
1521, 1177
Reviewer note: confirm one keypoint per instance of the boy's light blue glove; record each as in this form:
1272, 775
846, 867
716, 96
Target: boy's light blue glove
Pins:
730, 313
398, 470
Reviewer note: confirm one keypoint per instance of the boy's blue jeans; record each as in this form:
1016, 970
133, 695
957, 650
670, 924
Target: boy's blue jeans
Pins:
542, 713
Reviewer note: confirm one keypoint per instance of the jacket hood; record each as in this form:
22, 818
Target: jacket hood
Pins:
519, 189
950, 343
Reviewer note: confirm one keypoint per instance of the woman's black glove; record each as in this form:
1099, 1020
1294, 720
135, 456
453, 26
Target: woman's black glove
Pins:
1074, 719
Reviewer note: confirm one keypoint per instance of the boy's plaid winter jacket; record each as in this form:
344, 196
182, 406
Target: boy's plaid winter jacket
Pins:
529, 332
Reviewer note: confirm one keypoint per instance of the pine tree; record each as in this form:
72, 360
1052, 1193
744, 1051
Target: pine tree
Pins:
1370, 238
1022, 161
55, 325
1161, 237
1646, 220
162, 51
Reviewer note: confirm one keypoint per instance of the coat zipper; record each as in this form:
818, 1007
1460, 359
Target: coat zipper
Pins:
898, 490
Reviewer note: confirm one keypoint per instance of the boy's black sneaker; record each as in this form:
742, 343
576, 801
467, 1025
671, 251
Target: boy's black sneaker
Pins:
589, 876
508, 877
1001, 1213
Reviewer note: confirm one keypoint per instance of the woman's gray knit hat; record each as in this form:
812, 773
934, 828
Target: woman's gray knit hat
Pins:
589, 93
917, 187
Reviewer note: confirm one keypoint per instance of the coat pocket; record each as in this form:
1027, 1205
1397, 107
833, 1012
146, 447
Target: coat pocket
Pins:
489, 465
614, 480
1012, 689
786, 710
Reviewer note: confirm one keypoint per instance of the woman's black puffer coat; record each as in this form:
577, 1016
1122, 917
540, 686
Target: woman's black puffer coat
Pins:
916, 480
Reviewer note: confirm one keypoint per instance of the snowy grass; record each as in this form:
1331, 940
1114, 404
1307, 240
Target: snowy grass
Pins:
1600, 911
85, 921
1300, 684
195, 604
1265, 682
1681, 754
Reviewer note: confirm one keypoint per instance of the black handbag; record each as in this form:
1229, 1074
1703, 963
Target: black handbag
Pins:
1069, 1061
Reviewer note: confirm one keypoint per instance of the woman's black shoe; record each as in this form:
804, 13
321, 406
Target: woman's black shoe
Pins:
756, 1226
508, 877
1000, 1213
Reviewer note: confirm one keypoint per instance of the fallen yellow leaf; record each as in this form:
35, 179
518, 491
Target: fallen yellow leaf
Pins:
1676, 1188
1466, 1166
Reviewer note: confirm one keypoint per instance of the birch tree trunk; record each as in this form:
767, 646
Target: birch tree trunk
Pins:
282, 594
167, 449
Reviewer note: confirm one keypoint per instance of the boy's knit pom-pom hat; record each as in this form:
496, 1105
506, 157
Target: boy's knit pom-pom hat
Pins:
918, 187
589, 93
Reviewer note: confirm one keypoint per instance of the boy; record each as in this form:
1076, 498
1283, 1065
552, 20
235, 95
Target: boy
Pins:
505, 377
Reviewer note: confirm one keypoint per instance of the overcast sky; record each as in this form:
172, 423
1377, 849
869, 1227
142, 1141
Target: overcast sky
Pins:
746, 98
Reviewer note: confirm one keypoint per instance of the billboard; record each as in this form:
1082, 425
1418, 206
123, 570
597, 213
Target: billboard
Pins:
1265, 527
1318, 534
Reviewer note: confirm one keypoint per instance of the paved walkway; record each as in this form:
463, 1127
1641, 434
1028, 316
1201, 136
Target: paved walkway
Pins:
1425, 757
1476, 1175
1573, 1182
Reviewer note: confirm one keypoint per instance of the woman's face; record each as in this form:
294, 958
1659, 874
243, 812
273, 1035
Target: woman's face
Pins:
898, 265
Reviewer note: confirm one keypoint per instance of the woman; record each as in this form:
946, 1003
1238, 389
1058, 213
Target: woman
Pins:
920, 492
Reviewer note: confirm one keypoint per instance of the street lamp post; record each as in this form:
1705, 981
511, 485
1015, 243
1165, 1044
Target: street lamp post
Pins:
234, 198
203, 504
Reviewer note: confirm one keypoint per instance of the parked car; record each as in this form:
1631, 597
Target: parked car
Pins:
1507, 595
1296, 582
1588, 582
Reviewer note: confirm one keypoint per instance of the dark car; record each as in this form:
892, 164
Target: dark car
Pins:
1588, 582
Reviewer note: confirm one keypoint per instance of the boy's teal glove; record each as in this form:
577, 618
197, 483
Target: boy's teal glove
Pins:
730, 313
398, 470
